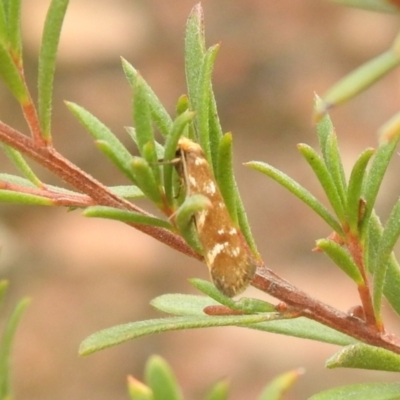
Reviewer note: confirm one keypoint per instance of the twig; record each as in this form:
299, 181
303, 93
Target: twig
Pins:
49, 158
267, 281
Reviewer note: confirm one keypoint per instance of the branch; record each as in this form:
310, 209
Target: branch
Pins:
265, 280
299, 301
49, 158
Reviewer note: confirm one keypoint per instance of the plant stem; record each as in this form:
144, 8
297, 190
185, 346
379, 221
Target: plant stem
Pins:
49, 158
267, 281
357, 251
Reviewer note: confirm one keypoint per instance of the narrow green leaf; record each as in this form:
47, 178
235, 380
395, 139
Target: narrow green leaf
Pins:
195, 49
138, 390
252, 306
245, 225
372, 240
245, 304
389, 238
324, 127
171, 143
125, 216
303, 194
335, 166
392, 281
14, 30
330, 150
9, 196
190, 305
372, 5
363, 356
325, 179
306, 329
127, 192
142, 118
47, 62
183, 219
160, 378
225, 177
359, 80
183, 304
341, 258
144, 178
122, 333
203, 102
370, 391
118, 159
17, 159
392, 284
219, 391
150, 155
230, 192
210, 290
11, 76
158, 113
214, 130
4, 40
280, 385
354, 190
101, 133
6, 345
159, 148
391, 133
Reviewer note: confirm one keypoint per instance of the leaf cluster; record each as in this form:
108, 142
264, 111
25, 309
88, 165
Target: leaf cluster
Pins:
6, 342
160, 384
360, 245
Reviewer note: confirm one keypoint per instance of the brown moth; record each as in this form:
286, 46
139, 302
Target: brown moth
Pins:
228, 256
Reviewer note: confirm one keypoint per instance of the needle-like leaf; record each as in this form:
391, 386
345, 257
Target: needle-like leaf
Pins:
47, 62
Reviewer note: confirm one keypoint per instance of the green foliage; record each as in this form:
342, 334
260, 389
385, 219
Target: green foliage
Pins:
299, 191
160, 384
126, 216
341, 258
360, 79
361, 246
47, 62
279, 385
21, 165
159, 114
372, 5
184, 219
370, 391
107, 142
161, 380
6, 342
188, 312
365, 357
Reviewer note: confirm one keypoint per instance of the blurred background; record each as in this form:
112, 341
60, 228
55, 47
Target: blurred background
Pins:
84, 275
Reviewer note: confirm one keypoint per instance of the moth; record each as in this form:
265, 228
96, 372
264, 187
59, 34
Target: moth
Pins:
228, 256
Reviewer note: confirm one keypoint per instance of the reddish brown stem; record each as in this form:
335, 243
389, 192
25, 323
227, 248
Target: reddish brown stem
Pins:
357, 252
71, 174
267, 281
31, 117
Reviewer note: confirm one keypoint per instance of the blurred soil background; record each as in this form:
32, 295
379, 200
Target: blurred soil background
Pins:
84, 275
